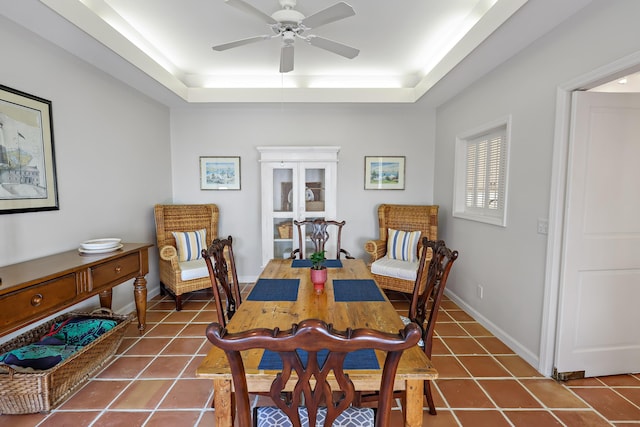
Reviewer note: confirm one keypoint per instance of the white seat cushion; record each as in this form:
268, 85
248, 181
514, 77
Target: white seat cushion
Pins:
268, 416
195, 269
395, 268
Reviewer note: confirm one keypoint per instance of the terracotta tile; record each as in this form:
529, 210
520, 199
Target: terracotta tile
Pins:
205, 347
188, 393
166, 367
438, 347
196, 305
633, 394
475, 329
166, 305
95, 394
509, 394
553, 394
464, 393
142, 394
194, 330
609, 404
584, 382
494, 345
21, 420
463, 345
532, 418
190, 370
620, 381
486, 418
586, 418
173, 418
164, 330
126, 367
206, 316
443, 316
518, 366
184, 316
121, 418
132, 330
208, 419
448, 367
148, 346
75, 418
483, 366
447, 304
187, 346
460, 316
125, 344
450, 330
156, 316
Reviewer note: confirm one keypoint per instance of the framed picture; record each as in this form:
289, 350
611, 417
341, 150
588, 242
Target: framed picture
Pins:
27, 161
384, 173
219, 173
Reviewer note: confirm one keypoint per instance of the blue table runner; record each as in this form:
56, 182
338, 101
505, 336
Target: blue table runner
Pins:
329, 263
275, 290
347, 290
359, 359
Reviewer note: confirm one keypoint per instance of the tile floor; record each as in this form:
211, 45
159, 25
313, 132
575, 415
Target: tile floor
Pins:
151, 381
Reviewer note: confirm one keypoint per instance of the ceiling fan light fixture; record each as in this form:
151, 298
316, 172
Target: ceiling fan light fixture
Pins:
287, 16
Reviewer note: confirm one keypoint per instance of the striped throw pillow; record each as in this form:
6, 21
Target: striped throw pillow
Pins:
403, 245
190, 244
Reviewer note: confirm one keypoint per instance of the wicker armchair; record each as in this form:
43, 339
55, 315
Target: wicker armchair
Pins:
405, 218
170, 218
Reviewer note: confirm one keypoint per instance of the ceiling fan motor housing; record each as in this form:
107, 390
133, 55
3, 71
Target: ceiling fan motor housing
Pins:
287, 16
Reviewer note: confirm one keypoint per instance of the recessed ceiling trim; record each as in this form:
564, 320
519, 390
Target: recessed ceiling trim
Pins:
86, 15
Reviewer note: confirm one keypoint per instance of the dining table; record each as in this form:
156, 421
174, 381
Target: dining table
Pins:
284, 295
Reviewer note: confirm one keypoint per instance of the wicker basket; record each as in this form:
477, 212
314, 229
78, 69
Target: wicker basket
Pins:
285, 230
40, 391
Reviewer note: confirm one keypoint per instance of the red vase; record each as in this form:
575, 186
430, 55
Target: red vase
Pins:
318, 278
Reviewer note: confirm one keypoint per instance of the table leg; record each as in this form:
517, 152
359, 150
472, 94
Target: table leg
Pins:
140, 295
222, 402
106, 298
413, 403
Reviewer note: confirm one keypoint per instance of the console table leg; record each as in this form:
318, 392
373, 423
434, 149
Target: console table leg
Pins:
105, 298
140, 295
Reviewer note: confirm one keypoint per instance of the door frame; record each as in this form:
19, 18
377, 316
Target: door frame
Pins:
557, 202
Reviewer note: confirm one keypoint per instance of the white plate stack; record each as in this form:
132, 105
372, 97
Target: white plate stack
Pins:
100, 246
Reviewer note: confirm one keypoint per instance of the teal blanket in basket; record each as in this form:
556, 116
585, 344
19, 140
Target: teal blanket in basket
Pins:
63, 340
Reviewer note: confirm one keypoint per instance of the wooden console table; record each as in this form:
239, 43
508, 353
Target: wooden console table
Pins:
38, 288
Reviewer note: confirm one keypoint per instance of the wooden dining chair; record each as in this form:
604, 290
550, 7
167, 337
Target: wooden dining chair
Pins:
426, 297
316, 231
222, 273
323, 398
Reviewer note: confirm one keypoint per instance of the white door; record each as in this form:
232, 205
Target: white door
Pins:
598, 317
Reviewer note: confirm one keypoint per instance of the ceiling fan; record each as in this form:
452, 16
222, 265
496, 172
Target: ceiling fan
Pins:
289, 24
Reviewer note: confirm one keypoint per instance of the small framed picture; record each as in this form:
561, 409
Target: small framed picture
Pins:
27, 160
384, 173
220, 173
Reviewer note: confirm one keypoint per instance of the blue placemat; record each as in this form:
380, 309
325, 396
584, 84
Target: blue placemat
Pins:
329, 263
275, 290
359, 359
356, 290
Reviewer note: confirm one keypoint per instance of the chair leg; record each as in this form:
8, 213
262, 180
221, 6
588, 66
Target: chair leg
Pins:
163, 290
429, 396
178, 302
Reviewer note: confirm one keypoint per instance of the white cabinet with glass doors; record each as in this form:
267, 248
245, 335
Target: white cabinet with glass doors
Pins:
298, 183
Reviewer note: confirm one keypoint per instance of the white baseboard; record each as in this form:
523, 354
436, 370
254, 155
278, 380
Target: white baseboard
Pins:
508, 340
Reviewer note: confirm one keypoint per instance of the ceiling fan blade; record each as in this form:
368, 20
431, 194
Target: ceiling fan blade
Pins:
332, 13
286, 58
331, 46
242, 42
246, 7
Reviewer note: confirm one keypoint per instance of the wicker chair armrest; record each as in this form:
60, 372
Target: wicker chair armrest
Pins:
376, 249
170, 253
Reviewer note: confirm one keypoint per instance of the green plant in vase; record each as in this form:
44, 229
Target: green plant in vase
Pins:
317, 260
318, 271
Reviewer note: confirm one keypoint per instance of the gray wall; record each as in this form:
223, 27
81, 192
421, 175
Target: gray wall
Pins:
112, 156
360, 130
510, 262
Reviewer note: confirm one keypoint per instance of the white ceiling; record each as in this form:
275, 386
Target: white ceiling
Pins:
407, 47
